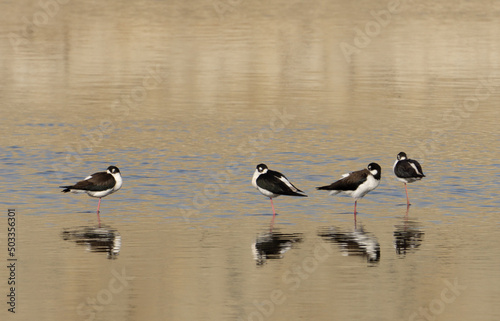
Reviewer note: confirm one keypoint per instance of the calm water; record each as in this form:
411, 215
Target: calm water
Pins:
186, 98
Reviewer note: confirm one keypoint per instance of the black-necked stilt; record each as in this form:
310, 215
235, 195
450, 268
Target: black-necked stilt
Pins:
273, 184
98, 185
407, 171
356, 184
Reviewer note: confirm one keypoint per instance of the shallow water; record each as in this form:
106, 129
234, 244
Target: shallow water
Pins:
186, 98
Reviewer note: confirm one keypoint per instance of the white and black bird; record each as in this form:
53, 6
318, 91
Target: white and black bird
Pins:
273, 184
356, 184
407, 171
98, 185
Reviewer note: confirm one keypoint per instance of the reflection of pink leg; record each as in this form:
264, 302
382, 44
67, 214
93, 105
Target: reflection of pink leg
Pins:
406, 217
98, 217
407, 198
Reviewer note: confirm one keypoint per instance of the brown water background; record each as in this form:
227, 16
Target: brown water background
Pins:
187, 97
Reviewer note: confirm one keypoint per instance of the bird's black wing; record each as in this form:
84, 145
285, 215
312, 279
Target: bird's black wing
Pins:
278, 175
404, 169
417, 164
97, 182
271, 182
348, 183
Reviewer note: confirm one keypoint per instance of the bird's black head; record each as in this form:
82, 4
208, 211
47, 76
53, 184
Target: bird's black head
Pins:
402, 156
113, 169
375, 169
261, 168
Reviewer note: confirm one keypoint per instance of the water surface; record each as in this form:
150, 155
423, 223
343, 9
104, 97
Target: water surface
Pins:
186, 98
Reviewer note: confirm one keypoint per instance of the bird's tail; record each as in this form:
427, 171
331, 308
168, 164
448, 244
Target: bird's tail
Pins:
66, 189
328, 188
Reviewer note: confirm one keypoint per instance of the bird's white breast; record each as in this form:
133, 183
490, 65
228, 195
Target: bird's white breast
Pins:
119, 181
267, 193
369, 185
404, 180
100, 193
394, 166
256, 175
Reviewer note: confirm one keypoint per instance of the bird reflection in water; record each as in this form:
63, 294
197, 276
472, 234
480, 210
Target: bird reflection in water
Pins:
96, 239
353, 243
273, 245
408, 235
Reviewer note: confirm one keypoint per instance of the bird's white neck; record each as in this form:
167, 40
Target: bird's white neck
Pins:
256, 174
119, 181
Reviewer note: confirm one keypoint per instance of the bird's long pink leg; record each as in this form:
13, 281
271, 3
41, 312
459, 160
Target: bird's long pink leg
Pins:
98, 216
272, 205
355, 203
407, 198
